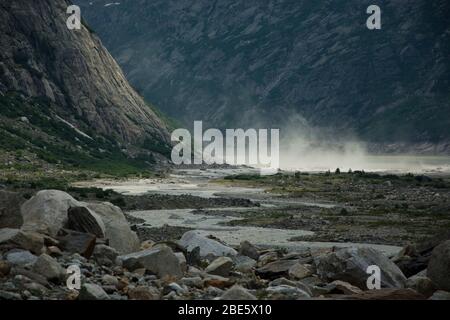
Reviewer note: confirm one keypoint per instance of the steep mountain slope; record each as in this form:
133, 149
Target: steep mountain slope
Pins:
63, 96
272, 62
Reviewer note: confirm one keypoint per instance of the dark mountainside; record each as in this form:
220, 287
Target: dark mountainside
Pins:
64, 98
273, 63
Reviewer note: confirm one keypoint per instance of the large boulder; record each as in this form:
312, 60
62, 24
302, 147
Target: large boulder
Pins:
159, 260
10, 203
85, 220
208, 247
351, 264
46, 212
15, 238
439, 266
117, 229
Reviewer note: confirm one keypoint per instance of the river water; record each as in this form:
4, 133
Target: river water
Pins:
198, 183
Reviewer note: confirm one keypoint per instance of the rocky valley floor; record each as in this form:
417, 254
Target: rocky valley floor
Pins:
185, 236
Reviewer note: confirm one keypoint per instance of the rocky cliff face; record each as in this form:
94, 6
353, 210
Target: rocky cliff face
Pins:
74, 75
254, 62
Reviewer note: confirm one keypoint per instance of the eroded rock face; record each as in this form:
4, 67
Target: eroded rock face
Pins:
439, 266
350, 265
41, 57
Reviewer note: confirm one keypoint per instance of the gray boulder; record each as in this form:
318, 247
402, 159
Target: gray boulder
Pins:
159, 260
422, 285
237, 293
91, 291
221, 266
49, 268
46, 212
439, 266
105, 255
208, 247
21, 258
350, 265
249, 250
285, 292
117, 229
16, 238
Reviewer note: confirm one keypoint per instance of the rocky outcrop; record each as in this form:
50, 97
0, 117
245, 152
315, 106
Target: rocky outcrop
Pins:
74, 74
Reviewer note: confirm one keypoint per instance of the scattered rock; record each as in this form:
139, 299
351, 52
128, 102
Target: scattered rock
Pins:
90, 291
440, 295
344, 287
387, 294
422, 285
276, 269
244, 264
77, 242
159, 260
5, 295
49, 268
300, 271
15, 238
237, 293
439, 266
350, 265
117, 229
285, 292
208, 247
218, 282
194, 282
46, 212
5, 268
143, 293
249, 250
21, 258
105, 255
84, 220
54, 251
221, 266
110, 280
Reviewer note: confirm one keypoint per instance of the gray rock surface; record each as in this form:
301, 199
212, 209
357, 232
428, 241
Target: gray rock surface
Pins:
46, 212
208, 247
117, 228
439, 266
159, 260
350, 265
